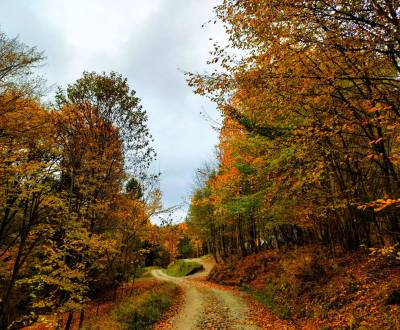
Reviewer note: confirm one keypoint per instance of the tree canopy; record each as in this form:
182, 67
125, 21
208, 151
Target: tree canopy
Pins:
309, 145
68, 226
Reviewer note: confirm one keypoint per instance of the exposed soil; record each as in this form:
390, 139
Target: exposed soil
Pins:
206, 305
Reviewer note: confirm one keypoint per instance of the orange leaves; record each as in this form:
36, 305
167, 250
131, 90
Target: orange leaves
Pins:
375, 142
170, 236
378, 108
91, 150
310, 119
382, 204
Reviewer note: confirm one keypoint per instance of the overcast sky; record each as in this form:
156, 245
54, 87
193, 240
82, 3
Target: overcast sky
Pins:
146, 41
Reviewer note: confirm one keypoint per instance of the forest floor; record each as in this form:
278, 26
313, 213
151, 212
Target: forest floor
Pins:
289, 289
207, 305
312, 290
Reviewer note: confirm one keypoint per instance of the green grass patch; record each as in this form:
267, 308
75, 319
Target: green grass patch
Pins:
181, 268
270, 296
144, 310
145, 272
148, 304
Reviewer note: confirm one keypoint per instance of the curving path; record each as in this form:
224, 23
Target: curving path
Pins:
207, 306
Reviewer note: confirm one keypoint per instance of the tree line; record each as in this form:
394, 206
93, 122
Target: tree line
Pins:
76, 192
309, 146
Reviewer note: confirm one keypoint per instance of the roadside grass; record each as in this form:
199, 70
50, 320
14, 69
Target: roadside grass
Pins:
141, 311
182, 267
270, 297
145, 272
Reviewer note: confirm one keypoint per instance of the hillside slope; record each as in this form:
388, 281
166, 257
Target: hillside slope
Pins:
349, 291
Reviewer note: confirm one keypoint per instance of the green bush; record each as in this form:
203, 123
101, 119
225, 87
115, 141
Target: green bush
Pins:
186, 248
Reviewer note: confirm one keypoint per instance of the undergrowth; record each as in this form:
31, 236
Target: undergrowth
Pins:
270, 297
141, 311
346, 291
181, 268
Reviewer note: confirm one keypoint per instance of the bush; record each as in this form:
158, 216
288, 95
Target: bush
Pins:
158, 255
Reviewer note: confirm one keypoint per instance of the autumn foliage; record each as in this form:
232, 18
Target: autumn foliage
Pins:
68, 225
309, 143
308, 154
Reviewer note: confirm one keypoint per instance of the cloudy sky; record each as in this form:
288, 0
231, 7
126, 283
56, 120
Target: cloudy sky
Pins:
146, 41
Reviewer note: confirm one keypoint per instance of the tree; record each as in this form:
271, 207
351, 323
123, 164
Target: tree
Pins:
133, 187
27, 165
17, 62
316, 93
102, 134
111, 98
68, 228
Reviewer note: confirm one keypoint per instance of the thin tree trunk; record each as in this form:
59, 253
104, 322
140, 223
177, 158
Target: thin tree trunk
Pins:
81, 318
69, 321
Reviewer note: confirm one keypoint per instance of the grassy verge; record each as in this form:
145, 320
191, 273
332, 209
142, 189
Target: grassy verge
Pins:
181, 268
271, 297
141, 311
146, 272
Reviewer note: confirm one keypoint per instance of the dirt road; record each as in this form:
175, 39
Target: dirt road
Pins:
207, 306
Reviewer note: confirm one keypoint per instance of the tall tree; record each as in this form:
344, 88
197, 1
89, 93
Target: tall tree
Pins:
318, 82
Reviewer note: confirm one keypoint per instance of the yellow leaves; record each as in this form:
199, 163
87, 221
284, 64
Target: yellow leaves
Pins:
374, 157
100, 243
66, 222
143, 251
387, 251
393, 127
382, 204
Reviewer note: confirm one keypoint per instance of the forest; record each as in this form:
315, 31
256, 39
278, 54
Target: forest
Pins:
308, 159
309, 144
76, 191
